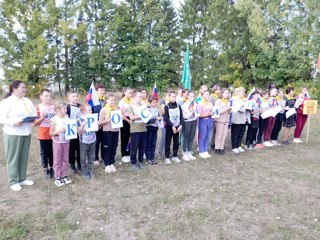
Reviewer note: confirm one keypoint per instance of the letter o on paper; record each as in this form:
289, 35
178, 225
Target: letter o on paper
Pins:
116, 118
143, 113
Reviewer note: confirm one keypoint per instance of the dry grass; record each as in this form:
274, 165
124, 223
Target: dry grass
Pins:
268, 194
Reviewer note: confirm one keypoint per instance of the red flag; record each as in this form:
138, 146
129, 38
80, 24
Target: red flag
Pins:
155, 91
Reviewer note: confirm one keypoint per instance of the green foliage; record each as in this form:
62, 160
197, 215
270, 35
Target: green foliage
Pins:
134, 43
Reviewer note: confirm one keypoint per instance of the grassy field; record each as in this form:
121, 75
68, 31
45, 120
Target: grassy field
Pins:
262, 194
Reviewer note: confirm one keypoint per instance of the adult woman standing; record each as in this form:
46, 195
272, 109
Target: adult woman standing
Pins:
16, 133
301, 118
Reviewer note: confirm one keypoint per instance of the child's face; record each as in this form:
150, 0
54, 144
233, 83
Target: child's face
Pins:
206, 96
256, 96
191, 97
172, 97
291, 93
63, 111
266, 95
217, 92
185, 95
73, 98
304, 91
101, 92
225, 94
241, 93
87, 110
138, 97
46, 98
111, 101
281, 94
128, 93
144, 94
273, 92
154, 103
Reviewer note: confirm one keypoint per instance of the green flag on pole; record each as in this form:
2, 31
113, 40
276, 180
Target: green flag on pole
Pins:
186, 76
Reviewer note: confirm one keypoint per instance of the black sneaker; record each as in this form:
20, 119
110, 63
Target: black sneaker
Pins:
66, 180
51, 173
73, 169
46, 173
154, 162
286, 142
222, 152
79, 168
212, 146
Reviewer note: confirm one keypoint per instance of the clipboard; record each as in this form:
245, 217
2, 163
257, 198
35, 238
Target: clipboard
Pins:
30, 119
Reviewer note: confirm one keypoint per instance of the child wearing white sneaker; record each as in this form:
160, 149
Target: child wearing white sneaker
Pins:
110, 135
87, 142
238, 119
60, 145
174, 119
189, 110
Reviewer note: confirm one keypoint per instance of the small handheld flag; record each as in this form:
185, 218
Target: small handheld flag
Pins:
155, 91
92, 96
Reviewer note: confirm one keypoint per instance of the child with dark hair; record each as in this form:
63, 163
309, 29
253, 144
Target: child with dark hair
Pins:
253, 126
289, 122
45, 111
152, 130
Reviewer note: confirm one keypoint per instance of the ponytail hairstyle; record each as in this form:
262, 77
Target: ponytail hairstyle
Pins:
14, 85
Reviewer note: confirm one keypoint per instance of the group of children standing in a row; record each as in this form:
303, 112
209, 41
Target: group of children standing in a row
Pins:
179, 117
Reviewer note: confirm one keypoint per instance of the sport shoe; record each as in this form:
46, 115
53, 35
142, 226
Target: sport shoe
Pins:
176, 159
285, 142
235, 150
51, 173
275, 143
191, 156
26, 183
167, 161
79, 168
96, 162
66, 180
59, 182
259, 145
125, 159
73, 169
113, 168
108, 169
185, 157
207, 155
141, 165
202, 155
16, 187
135, 167
241, 149
249, 147
268, 144
297, 140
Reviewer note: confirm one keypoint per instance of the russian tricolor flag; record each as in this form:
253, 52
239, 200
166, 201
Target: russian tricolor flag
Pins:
92, 96
155, 91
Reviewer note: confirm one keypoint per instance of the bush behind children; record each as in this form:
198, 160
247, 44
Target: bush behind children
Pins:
179, 114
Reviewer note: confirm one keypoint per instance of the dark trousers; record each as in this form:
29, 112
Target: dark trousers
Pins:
189, 131
138, 142
151, 141
87, 152
125, 135
99, 144
237, 132
74, 152
46, 153
276, 129
251, 134
110, 141
262, 123
169, 137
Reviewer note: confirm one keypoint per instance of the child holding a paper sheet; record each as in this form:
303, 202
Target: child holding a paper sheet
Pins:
290, 120
87, 141
238, 120
253, 126
205, 124
301, 118
73, 112
189, 111
45, 111
264, 106
124, 105
138, 132
60, 144
173, 118
110, 134
152, 130
221, 123
270, 121
279, 118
